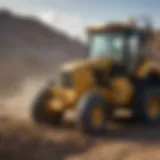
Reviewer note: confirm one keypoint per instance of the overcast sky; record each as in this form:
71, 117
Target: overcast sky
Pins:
72, 16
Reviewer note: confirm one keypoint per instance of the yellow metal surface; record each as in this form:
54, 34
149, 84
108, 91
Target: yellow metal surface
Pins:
82, 78
97, 116
148, 66
121, 90
66, 96
144, 69
55, 105
154, 107
86, 64
109, 27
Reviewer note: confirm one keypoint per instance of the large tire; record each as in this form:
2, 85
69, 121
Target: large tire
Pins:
144, 112
85, 108
39, 109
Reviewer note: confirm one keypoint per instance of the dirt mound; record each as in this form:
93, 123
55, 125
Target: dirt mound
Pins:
25, 140
29, 48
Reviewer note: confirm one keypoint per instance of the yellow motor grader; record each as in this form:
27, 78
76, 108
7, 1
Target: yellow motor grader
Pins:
118, 73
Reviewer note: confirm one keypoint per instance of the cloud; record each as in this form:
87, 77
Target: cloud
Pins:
34, 6
71, 24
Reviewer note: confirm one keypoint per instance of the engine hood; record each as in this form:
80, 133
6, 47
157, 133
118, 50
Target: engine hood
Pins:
83, 63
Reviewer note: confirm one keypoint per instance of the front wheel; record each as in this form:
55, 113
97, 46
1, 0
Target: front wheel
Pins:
92, 113
40, 113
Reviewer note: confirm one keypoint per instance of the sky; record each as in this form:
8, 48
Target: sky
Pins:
72, 16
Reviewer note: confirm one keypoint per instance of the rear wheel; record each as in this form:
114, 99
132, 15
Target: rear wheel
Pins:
151, 105
92, 113
41, 114
149, 108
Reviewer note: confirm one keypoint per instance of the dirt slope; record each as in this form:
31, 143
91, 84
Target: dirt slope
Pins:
25, 140
29, 48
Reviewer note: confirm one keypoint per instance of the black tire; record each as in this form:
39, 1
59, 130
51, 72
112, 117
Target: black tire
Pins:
84, 110
142, 112
39, 109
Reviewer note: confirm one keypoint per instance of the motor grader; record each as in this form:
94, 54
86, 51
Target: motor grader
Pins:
117, 74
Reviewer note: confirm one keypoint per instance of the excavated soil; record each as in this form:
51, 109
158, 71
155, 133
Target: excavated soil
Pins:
21, 138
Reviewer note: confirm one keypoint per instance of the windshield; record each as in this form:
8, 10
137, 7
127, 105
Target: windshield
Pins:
107, 44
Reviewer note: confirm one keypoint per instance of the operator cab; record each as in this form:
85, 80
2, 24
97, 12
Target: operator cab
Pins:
123, 45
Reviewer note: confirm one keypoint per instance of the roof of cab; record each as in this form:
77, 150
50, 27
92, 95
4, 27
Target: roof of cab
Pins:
110, 27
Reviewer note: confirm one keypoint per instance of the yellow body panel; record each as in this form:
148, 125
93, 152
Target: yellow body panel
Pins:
121, 90
83, 82
144, 69
86, 64
67, 97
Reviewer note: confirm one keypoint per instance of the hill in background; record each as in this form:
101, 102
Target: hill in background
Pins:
30, 48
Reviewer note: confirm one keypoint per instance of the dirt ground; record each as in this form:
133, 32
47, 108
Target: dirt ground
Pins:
21, 138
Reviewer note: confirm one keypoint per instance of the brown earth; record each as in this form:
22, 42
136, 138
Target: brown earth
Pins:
29, 48
21, 139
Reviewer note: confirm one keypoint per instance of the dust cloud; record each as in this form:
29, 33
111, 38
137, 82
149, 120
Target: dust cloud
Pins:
19, 104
